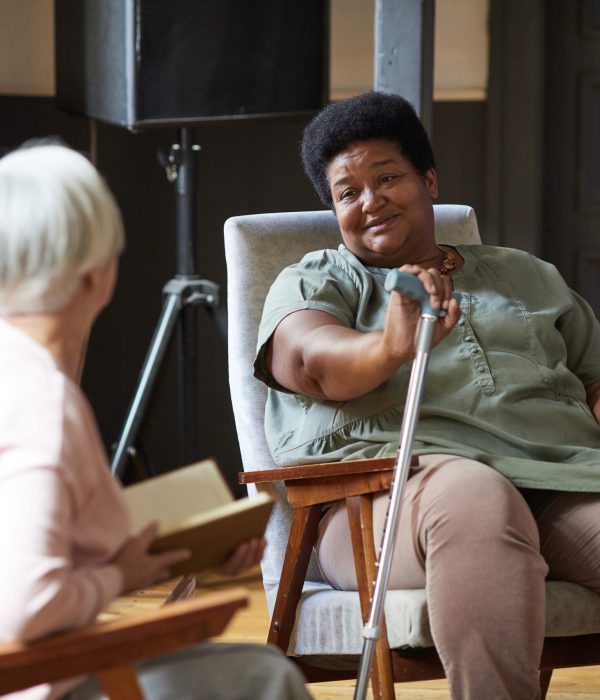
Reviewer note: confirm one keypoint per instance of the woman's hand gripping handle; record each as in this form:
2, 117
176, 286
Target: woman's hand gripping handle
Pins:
417, 293
411, 286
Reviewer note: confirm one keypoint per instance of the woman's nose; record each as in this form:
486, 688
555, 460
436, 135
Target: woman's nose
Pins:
372, 199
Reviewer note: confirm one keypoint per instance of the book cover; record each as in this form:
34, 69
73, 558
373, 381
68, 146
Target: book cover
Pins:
196, 510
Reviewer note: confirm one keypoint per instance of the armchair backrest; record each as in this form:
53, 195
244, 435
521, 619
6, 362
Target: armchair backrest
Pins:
257, 248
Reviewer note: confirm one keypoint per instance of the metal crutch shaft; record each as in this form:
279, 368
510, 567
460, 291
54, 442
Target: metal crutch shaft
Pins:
411, 286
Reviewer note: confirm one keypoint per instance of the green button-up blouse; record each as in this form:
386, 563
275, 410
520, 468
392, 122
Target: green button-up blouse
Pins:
506, 387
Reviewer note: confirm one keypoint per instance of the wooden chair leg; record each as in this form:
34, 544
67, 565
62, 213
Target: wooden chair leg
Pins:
360, 518
120, 683
303, 535
545, 676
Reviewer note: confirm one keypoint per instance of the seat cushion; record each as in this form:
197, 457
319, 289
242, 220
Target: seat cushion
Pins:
330, 622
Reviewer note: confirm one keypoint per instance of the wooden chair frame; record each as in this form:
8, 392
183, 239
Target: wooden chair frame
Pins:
108, 650
308, 489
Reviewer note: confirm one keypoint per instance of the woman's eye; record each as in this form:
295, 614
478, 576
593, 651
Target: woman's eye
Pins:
387, 178
347, 194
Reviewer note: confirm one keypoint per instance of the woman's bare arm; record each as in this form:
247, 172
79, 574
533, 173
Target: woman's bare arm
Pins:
313, 353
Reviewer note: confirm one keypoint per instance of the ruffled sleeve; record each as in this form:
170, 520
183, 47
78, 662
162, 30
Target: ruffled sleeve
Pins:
322, 281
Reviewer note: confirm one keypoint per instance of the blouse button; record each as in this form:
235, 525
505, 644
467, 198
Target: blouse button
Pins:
481, 370
469, 339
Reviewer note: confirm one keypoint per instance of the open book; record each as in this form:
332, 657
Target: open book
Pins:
196, 510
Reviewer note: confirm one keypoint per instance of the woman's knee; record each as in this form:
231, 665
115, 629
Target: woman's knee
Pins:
468, 499
569, 527
452, 503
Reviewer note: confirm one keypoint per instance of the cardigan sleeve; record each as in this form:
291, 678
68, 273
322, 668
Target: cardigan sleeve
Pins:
42, 591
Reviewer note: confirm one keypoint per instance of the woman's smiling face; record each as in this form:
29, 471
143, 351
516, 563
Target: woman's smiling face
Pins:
382, 203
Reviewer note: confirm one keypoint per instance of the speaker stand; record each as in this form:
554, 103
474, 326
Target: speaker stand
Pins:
182, 294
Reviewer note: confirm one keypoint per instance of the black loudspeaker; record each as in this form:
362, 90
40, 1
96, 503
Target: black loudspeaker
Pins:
139, 63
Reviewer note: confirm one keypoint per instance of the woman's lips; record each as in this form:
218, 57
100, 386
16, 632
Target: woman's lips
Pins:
381, 224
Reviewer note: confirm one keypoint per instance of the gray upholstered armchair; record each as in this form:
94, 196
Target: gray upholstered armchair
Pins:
326, 629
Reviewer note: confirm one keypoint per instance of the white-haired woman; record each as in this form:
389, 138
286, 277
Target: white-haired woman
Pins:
66, 548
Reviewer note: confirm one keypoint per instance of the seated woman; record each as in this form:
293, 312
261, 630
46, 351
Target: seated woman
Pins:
507, 487
66, 549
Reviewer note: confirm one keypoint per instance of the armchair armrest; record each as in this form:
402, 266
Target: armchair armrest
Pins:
312, 471
100, 647
313, 484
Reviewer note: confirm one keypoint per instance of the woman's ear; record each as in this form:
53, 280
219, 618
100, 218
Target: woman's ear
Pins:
88, 280
431, 183
99, 283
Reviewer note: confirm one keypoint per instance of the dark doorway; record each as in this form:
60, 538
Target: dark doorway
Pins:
571, 217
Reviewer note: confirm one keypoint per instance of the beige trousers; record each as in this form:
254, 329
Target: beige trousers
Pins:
482, 549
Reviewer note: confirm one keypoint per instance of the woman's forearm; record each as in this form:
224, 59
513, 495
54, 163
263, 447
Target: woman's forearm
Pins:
342, 364
314, 354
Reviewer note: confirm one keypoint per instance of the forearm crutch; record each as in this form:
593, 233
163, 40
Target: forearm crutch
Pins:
411, 286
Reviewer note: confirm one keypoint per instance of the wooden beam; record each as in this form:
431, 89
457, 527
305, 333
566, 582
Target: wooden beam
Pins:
404, 34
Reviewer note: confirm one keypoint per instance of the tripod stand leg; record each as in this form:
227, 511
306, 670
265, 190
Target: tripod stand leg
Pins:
188, 383
152, 363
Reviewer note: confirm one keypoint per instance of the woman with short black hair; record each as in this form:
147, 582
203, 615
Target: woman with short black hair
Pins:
508, 442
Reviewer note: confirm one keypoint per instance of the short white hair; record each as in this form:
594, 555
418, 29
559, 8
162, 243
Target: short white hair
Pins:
58, 220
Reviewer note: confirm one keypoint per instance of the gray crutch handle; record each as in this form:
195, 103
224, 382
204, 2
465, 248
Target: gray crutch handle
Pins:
412, 287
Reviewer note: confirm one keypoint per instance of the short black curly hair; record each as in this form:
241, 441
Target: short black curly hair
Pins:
371, 115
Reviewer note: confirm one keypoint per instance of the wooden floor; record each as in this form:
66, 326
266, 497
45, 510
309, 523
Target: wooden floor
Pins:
251, 625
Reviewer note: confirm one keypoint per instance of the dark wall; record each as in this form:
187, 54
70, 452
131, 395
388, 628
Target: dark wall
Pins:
459, 143
244, 167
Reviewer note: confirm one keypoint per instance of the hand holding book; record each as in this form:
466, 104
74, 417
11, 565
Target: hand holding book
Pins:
139, 567
196, 511
244, 556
